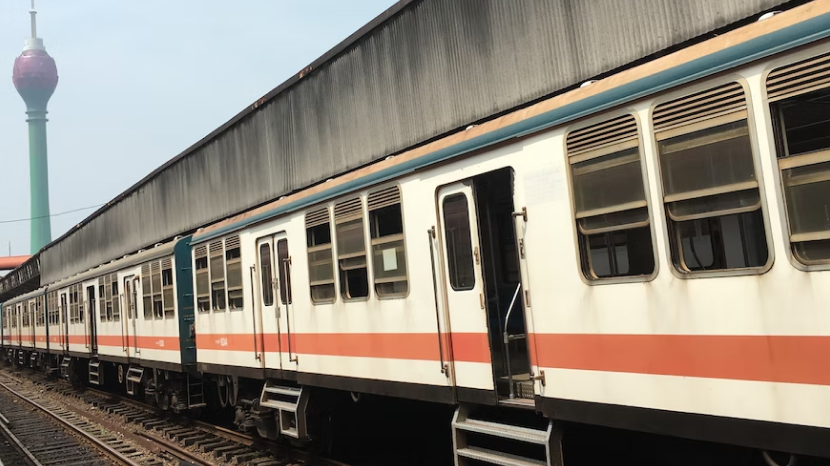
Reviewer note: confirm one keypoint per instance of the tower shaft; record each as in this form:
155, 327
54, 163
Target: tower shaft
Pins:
41, 226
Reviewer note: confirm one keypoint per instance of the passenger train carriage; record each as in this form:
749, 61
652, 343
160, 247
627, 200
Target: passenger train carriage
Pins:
648, 252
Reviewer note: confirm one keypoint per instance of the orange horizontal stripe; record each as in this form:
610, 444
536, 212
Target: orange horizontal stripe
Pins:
789, 359
469, 347
157, 343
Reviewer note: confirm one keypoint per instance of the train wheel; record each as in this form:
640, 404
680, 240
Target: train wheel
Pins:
223, 390
121, 372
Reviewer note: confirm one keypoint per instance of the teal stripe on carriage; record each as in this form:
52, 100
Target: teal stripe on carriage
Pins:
778, 41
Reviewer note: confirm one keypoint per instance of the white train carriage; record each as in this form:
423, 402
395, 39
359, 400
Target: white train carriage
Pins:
649, 252
24, 328
123, 315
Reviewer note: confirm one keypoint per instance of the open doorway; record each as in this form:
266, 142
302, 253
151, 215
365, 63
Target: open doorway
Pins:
501, 273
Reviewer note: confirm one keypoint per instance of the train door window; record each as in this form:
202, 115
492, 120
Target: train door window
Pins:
233, 257
800, 106
217, 276
609, 199
459, 242
168, 296
146, 292
388, 249
284, 264
155, 278
266, 275
76, 310
351, 249
710, 186
202, 280
320, 260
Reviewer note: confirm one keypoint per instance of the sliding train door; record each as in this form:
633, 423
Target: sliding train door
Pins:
464, 287
483, 283
275, 302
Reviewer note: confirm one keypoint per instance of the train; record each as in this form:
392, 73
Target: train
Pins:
648, 252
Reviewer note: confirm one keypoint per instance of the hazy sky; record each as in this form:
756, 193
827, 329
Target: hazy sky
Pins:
141, 80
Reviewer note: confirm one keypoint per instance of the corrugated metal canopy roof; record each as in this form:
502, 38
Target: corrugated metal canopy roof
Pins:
420, 70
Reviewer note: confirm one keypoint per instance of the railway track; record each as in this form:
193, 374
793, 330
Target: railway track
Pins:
41, 434
168, 436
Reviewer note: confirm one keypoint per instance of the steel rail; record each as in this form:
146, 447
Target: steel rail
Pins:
101, 446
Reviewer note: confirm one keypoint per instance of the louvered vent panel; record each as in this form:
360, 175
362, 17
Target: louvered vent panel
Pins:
384, 198
167, 264
700, 107
216, 248
201, 251
348, 210
232, 242
145, 269
318, 217
155, 267
605, 134
799, 78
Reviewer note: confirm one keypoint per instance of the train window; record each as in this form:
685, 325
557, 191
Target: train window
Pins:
710, 187
320, 260
26, 311
146, 292
202, 280
284, 272
73, 298
40, 319
610, 205
459, 242
116, 299
81, 302
800, 97
388, 250
155, 278
217, 276
266, 275
102, 298
233, 256
351, 249
168, 296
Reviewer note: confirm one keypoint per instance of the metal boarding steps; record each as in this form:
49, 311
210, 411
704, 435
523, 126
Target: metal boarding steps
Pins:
462, 425
21, 358
64, 368
290, 404
195, 393
134, 376
95, 371
33, 359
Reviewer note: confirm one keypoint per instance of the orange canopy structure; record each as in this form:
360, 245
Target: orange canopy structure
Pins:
12, 262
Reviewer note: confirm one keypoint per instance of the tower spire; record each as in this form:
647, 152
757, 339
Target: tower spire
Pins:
33, 12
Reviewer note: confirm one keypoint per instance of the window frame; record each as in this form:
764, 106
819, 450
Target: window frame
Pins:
371, 243
751, 123
772, 143
642, 128
335, 238
330, 246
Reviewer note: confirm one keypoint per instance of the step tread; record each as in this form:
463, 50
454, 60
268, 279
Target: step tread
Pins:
523, 434
282, 405
278, 390
498, 458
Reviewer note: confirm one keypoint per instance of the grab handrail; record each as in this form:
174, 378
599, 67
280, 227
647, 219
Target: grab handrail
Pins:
287, 284
507, 338
254, 314
444, 368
